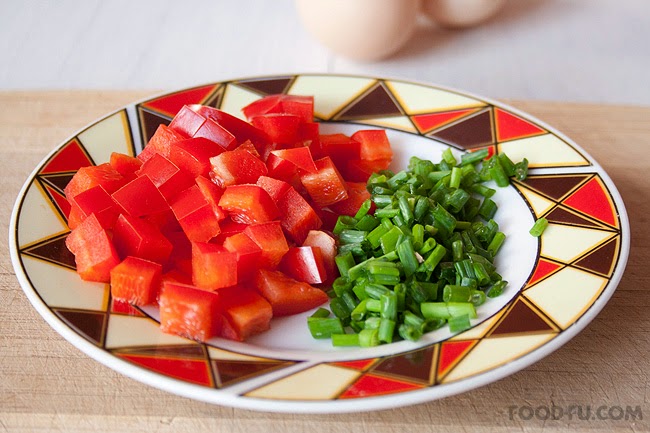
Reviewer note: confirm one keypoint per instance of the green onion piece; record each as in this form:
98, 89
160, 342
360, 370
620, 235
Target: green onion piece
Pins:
498, 174
488, 209
483, 190
435, 310
478, 297
344, 262
507, 164
321, 313
363, 209
496, 289
456, 200
375, 235
538, 228
421, 208
368, 338
459, 308
340, 308
388, 241
375, 291
373, 305
400, 295
386, 330
382, 200
367, 223
408, 332
324, 327
359, 311
340, 285
482, 275
456, 177
448, 157
459, 323
372, 323
386, 213
435, 257
495, 244
344, 222
345, 340
406, 255
388, 306
473, 157
352, 236
457, 250
521, 169
453, 293
437, 176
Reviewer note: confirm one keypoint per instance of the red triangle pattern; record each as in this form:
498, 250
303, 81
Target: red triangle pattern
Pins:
58, 198
431, 121
544, 269
510, 127
189, 370
592, 199
360, 364
451, 352
169, 105
370, 385
71, 157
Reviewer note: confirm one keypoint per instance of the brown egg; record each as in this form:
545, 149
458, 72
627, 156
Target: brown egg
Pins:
461, 13
360, 29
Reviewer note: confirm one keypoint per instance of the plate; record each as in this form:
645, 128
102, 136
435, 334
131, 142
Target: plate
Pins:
558, 282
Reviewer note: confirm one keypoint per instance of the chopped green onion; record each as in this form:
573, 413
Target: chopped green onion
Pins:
344, 340
538, 228
323, 327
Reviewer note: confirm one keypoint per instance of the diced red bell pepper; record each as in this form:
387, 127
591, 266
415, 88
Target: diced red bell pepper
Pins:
96, 201
274, 187
309, 135
286, 295
140, 197
166, 176
248, 204
327, 245
267, 104
217, 133
340, 147
246, 313
326, 186
177, 276
271, 240
139, 238
136, 281
124, 164
285, 163
301, 106
236, 167
359, 170
187, 121
357, 194
193, 155
229, 228
242, 131
374, 144
281, 128
160, 142
213, 266
297, 217
88, 177
195, 215
248, 255
165, 221
93, 250
75, 217
190, 312
249, 147
212, 193
327, 216
304, 264
181, 256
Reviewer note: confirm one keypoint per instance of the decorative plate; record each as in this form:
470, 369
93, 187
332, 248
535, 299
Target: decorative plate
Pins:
558, 283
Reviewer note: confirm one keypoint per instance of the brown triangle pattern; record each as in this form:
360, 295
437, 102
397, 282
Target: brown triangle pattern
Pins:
52, 250
57, 181
470, 132
561, 215
522, 318
216, 98
174, 351
149, 122
416, 366
378, 101
555, 186
230, 372
268, 86
89, 324
601, 260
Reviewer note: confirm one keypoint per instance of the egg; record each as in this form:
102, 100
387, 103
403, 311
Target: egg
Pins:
364, 30
461, 13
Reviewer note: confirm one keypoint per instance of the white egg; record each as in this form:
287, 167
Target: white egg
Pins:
461, 13
360, 29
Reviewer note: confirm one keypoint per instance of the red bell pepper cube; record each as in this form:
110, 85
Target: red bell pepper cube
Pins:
166, 176
75, 217
96, 201
217, 133
340, 147
236, 167
326, 186
195, 215
212, 193
180, 258
248, 255
301, 106
270, 238
136, 281
140, 197
124, 164
276, 188
249, 147
297, 217
213, 266
357, 194
286, 295
160, 142
327, 245
304, 264
374, 144
187, 121
165, 221
246, 313
267, 104
177, 276
286, 163
243, 131
281, 128
229, 228
193, 155
139, 238
309, 135
248, 204
87, 177
94, 252
359, 170
189, 312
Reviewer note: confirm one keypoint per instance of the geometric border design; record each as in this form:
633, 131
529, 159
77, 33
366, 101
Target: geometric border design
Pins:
566, 186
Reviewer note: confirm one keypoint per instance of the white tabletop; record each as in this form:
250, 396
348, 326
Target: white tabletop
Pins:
566, 50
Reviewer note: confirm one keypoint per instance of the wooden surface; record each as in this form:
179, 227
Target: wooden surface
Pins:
46, 384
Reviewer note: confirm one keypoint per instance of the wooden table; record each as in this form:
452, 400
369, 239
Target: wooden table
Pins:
48, 385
